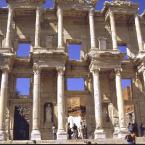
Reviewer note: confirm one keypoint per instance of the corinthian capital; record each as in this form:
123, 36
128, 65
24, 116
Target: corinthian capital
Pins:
5, 68
60, 70
91, 12
118, 71
36, 69
95, 71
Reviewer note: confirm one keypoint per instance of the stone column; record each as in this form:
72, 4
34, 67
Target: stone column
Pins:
37, 27
8, 33
3, 103
92, 28
61, 134
120, 104
99, 132
113, 30
60, 27
36, 135
138, 32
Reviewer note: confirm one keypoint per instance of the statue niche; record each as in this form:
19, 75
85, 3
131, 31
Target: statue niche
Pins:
48, 115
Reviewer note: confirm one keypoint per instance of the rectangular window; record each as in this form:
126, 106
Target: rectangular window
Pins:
23, 50
123, 49
74, 51
23, 86
75, 84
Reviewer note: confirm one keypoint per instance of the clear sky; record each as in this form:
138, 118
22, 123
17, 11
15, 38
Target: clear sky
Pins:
23, 84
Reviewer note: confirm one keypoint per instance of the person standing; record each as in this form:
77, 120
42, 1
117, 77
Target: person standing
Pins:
54, 132
81, 131
69, 131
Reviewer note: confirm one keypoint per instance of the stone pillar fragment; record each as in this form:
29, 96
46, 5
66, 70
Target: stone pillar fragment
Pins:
61, 134
3, 102
36, 135
99, 132
92, 28
9, 25
138, 32
113, 30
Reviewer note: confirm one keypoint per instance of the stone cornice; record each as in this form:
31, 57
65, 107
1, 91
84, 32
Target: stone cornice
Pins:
25, 3
126, 7
76, 4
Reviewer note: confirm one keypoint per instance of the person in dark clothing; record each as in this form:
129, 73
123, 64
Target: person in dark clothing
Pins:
75, 131
142, 129
69, 132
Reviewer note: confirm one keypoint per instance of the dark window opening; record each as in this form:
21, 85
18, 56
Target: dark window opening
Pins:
23, 86
21, 125
75, 84
74, 51
123, 50
23, 50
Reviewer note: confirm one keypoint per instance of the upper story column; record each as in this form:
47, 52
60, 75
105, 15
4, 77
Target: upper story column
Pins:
3, 102
138, 32
9, 24
38, 27
60, 27
113, 31
92, 28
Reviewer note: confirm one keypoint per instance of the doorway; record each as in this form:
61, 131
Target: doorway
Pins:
21, 126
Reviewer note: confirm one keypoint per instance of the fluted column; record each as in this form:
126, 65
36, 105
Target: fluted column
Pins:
3, 102
36, 135
113, 31
38, 27
92, 28
99, 132
120, 102
61, 134
138, 32
60, 28
9, 25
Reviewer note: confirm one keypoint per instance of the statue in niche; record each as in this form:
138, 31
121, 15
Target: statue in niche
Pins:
48, 115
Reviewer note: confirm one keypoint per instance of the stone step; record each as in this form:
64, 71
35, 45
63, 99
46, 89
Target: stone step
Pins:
139, 140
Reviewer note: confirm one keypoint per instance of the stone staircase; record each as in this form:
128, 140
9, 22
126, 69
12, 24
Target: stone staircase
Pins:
139, 140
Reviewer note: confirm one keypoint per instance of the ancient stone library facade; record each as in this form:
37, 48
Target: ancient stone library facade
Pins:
102, 66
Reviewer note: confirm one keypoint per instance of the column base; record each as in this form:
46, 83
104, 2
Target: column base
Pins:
122, 133
35, 135
61, 135
2, 135
99, 133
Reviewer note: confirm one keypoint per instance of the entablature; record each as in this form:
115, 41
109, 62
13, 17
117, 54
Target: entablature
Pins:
25, 3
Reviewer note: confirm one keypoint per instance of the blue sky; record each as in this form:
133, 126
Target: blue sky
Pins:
73, 84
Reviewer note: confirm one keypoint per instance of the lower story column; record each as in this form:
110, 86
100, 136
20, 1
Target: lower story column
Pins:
120, 104
99, 131
36, 135
61, 133
3, 103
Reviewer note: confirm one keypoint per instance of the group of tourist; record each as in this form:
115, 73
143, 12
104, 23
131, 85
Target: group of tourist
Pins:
133, 132
77, 133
